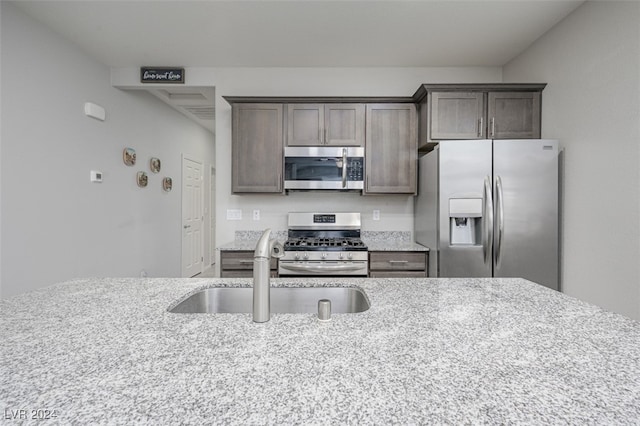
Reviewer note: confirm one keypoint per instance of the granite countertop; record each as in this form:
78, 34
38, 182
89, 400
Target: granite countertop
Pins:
390, 241
247, 240
453, 351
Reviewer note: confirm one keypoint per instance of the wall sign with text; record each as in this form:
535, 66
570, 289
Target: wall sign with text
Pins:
161, 75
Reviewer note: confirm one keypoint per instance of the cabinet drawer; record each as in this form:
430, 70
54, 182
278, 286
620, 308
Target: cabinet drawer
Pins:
239, 273
243, 273
397, 261
241, 260
397, 274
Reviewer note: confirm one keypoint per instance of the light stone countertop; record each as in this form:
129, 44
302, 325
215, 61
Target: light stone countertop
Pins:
247, 240
428, 351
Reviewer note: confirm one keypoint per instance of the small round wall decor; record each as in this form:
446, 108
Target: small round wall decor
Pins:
143, 179
129, 156
167, 184
154, 165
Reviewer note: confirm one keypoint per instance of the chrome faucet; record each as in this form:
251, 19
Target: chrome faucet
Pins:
261, 274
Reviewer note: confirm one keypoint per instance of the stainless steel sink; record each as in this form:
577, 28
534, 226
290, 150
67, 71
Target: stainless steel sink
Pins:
291, 300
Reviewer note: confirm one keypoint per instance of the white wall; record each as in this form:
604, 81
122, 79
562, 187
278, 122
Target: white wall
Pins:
591, 62
55, 223
0, 157
396, 211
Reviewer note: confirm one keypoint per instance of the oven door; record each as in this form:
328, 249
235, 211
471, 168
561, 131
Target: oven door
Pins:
322, 268
324, 168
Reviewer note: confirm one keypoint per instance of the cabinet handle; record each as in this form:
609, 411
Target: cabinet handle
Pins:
320, 136
246, 262
398, 262
480, 127
493, 127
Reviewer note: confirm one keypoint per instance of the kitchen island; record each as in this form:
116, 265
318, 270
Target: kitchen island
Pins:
427, 351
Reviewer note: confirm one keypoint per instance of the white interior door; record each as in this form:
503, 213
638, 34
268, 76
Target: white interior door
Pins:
192, 218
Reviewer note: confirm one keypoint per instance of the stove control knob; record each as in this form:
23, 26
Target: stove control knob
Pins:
324, 255
297, 256
341, 256
306, 255
350, 255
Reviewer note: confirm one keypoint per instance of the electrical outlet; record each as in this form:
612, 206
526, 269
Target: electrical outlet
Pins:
96, 176
233, 214
256, 215
376, 215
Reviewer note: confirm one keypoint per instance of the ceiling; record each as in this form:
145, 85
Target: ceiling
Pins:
301, 33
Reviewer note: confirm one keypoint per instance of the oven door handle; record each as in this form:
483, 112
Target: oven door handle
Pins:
321, 268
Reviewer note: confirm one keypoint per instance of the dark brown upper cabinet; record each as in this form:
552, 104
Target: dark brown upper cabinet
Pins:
391, 150
337, 124
478, 111
257, 148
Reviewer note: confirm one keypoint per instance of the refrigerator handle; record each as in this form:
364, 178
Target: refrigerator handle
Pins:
499, 219
487, 225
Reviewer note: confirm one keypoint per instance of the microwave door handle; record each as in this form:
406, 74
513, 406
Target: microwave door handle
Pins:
344, 167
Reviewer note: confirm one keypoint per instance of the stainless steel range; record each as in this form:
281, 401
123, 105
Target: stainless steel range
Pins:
324, 244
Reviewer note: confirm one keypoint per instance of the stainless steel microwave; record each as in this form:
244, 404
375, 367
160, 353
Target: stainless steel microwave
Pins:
323, 167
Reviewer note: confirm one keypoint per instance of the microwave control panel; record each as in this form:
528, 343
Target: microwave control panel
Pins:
355, 169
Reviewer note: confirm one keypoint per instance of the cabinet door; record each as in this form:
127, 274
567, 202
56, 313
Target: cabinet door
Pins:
257, 149
457, 115
514, 115
305, 124
344, 124
391, 149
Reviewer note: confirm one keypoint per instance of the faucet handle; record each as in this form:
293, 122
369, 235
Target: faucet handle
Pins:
277, 249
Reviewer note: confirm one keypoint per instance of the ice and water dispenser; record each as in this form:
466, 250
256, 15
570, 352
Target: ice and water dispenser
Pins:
465, 221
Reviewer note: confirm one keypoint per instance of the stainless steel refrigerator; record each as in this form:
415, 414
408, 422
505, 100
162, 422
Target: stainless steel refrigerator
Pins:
489, 208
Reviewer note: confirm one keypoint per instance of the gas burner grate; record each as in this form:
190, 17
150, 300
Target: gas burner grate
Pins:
311, 243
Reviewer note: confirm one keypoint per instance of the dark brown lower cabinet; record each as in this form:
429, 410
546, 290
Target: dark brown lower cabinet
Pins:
239, 264
398, 264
